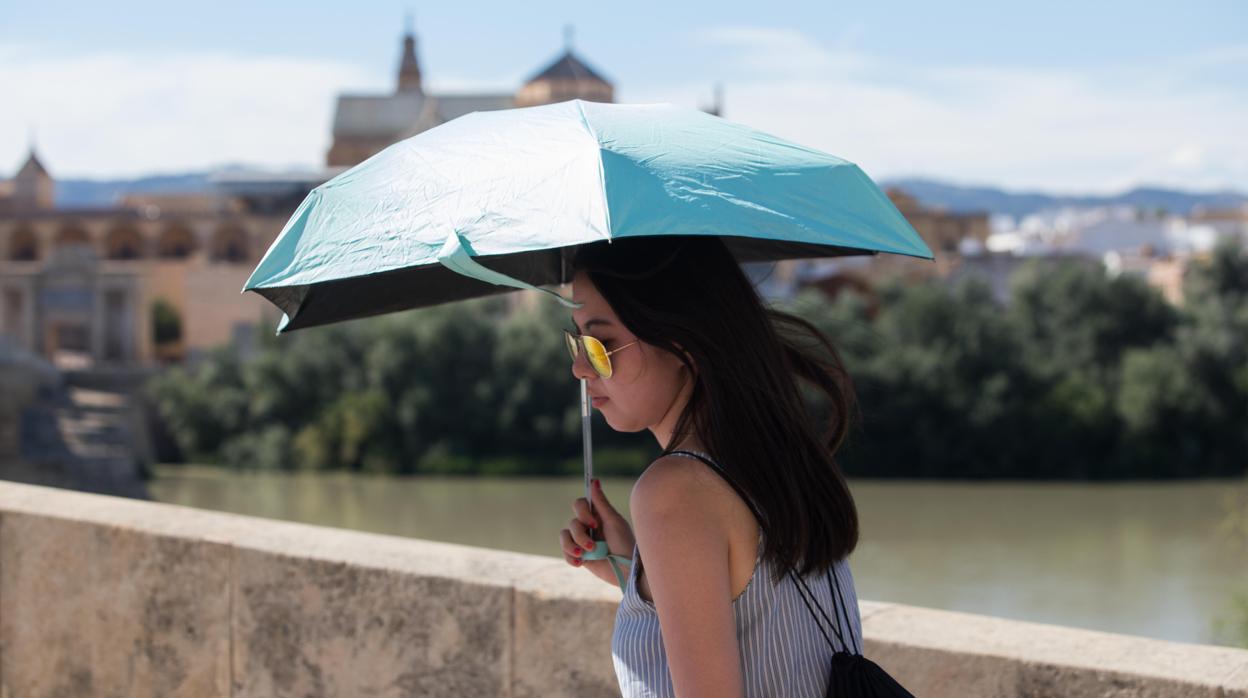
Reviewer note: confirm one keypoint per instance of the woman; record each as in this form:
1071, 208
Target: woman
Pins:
698, 360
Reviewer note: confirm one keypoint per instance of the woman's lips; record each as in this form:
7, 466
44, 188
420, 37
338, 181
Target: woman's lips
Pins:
597, 401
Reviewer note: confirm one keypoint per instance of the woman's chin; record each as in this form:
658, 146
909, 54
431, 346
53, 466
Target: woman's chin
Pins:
623, 427
612, 419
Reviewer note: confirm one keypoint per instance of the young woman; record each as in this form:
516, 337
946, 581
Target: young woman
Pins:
745, 489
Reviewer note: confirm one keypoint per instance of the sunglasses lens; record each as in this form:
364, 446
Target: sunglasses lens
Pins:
570, 341
598, 356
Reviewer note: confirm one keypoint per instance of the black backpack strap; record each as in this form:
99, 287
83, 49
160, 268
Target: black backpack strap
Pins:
803, 591
849, 628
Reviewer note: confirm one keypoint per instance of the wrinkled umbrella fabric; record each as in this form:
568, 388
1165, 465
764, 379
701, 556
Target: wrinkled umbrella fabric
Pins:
494, 201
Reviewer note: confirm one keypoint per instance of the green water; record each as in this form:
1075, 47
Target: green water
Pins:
1141, 558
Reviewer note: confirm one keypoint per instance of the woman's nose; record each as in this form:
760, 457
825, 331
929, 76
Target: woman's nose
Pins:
581, 368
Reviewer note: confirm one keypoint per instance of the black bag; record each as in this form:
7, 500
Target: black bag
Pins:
851, 674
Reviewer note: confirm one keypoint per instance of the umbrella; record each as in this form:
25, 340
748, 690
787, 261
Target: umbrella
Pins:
495, 201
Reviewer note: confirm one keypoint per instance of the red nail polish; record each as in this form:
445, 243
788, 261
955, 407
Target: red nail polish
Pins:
577, 562
576, 551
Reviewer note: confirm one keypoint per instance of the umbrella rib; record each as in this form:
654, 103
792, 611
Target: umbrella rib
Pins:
602, 175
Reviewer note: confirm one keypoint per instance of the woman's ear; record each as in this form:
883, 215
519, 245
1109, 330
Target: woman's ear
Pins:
688, 358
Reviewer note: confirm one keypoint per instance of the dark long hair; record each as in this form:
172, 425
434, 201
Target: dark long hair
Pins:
746, 407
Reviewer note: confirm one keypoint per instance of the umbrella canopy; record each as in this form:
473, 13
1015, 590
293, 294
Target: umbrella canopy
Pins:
493, 201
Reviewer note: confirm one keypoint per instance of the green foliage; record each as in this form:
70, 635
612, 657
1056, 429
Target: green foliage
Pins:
459, 389
1081, 376
1185, 403
204, 406
166, 323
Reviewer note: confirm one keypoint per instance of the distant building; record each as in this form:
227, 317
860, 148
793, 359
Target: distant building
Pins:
365, 124
1153, 246
152, 278
995, 269
1227, 222
948, 235
31, 189
158, 277
1163, 272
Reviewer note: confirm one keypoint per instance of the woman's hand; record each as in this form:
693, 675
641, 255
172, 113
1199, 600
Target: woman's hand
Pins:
584, 530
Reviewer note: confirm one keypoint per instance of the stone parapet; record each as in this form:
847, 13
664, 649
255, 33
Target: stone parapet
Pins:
109, 596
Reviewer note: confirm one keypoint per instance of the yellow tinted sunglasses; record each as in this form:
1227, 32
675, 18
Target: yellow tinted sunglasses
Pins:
597, 354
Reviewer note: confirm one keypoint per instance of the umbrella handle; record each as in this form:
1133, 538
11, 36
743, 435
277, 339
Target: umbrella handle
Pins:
600, 552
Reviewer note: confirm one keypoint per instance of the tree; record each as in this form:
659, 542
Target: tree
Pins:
166, 323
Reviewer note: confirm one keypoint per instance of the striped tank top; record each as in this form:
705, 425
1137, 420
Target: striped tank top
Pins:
783, 651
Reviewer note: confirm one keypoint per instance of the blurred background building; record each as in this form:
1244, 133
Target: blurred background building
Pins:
157, 277
364, 124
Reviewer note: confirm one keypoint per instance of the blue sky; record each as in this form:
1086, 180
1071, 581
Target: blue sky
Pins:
1065, 97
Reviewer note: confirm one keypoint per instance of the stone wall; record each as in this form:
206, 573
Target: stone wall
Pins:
103, 596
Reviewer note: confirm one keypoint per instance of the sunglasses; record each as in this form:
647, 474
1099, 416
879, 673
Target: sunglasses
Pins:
597, 354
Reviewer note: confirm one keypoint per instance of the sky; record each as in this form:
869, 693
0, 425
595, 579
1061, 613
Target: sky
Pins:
1061, 97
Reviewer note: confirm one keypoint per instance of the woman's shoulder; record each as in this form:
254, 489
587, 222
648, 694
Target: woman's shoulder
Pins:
675, 482
675, 471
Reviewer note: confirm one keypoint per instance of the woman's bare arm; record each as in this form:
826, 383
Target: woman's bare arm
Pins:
684, 548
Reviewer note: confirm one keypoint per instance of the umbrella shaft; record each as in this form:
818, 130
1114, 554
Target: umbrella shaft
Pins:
587, 442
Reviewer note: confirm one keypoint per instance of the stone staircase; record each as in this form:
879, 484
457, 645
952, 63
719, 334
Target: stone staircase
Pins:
88, 435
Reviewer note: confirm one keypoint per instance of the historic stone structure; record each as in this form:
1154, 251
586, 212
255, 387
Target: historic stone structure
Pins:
147, 279
158, 277
364, 124
30, 189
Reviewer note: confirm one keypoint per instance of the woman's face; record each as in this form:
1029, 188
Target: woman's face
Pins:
648, 387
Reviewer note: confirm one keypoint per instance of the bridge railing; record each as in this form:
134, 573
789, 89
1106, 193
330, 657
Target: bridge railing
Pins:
110, 596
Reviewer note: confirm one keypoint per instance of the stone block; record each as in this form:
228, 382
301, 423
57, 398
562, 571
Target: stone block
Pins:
562, 635
943, 653
91, 610
317, 627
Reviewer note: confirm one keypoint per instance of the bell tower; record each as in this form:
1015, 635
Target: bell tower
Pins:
33, 187
409, 67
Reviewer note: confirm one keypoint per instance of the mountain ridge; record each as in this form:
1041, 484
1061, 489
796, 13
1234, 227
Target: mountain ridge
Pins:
929, 191
968, 198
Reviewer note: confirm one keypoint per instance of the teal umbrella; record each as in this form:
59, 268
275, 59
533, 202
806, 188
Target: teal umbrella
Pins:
495, 201
492, 201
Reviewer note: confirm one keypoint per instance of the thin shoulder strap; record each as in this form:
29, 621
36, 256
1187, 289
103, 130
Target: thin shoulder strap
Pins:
749, 502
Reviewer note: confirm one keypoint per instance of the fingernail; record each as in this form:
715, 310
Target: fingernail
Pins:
577, 562
576, 551
597, 485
